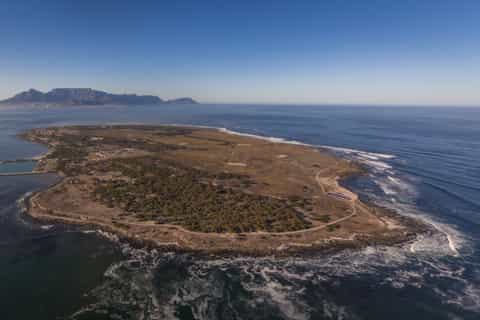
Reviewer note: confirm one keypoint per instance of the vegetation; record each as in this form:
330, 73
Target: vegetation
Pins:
68, 158
333, 227
73, 149
324, 218
155, 190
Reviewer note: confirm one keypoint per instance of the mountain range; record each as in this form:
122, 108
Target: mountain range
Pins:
87, 97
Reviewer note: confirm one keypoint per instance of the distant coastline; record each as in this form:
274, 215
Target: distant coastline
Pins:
86, 97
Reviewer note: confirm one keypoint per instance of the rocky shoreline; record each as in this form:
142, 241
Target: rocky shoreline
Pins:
416, 226
404, 229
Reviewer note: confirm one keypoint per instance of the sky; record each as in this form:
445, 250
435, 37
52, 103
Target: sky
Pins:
420, 52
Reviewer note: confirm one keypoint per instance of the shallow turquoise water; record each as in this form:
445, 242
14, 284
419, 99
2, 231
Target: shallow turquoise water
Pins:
19, 166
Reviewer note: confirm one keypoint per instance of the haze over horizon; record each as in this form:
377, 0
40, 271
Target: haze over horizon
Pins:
311, 52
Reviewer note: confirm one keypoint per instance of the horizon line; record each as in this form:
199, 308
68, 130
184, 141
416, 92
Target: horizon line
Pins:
270, 103
346, 104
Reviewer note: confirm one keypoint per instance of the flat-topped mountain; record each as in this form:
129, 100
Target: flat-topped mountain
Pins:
86, 96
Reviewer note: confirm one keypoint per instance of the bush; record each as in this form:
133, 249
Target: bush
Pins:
159, 191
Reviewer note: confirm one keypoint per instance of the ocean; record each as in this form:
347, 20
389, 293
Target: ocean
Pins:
422, 162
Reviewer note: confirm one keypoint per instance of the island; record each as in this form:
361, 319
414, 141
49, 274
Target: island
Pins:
207, 190
86, 97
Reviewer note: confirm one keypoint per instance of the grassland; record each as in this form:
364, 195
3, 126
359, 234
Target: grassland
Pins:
202, 189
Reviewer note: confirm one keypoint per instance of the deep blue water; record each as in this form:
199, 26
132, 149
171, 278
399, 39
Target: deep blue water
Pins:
423, 162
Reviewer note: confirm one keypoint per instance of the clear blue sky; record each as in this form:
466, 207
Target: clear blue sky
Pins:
381, 52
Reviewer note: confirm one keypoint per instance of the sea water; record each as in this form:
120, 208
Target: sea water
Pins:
17, 166
422, 162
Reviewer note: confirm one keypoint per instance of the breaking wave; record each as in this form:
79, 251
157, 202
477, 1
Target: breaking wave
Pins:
149, 284
271, 139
